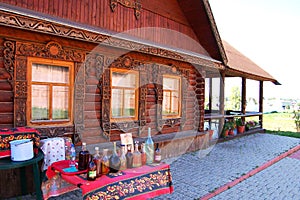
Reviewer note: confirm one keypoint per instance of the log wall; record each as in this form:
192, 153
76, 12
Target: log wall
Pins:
162, 22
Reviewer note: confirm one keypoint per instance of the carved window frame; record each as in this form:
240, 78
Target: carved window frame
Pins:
167, 116
136, 100
123, 63
16, 53
159, 72
52, 62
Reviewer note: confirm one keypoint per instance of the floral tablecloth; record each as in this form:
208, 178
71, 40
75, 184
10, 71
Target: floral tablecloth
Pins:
137, 183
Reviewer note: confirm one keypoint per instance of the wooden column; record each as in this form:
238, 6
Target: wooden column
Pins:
222, 96
244, 89
261, 98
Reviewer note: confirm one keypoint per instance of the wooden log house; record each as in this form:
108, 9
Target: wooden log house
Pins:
92, 70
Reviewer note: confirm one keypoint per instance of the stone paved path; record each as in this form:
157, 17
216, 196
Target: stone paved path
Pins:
199, 173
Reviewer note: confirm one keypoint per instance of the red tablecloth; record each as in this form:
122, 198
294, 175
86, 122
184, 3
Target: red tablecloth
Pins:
7, 135
137, 183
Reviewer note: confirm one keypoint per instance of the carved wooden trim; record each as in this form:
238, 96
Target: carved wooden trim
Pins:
158, 71
68, 31
15, 62
9, 59
123, 62
135, 4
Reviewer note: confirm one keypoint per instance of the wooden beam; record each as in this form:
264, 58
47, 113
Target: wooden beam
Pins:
261, 99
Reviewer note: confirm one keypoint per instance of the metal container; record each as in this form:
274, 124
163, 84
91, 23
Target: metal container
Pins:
21, 150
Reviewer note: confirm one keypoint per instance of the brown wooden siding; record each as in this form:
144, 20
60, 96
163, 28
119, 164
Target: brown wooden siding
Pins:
155, 13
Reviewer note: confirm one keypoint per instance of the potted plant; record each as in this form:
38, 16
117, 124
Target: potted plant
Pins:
240, 124
225, 130
232, 127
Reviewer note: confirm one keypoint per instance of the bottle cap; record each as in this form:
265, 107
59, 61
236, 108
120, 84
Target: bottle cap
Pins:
96, 148
83, 143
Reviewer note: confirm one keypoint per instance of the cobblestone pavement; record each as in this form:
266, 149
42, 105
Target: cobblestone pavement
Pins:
198, 173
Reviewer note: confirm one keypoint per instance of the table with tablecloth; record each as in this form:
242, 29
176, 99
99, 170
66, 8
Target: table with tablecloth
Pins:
138, 183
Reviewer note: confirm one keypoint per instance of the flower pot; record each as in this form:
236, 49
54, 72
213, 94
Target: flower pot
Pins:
211, 132
230, 132
225, 133
241, 129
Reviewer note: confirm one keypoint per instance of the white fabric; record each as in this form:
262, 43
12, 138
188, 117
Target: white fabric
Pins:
54, 150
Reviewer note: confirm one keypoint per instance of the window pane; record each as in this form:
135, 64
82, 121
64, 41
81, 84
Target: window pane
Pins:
48, 73
60, 102
129, 103
166, 102
116, 102
175, 101
39, 102
171, 83
124, 79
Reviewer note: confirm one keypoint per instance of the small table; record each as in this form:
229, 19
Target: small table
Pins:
136, 183
7, 163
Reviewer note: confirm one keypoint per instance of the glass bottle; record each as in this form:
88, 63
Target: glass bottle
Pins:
114, 161
143, 154
84, 156
129, 157
92, 170
137, 160
105, 162
97, 160
123, 158
72, 156
157, 154
149, 148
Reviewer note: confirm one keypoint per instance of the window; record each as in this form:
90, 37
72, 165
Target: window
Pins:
171, 96
124, 94
50, 92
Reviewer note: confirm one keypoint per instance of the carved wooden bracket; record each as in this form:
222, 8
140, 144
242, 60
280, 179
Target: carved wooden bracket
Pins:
135, 4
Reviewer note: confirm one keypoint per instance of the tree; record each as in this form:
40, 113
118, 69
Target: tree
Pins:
235, 98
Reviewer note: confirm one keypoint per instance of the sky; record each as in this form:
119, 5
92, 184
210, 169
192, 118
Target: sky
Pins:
267, 32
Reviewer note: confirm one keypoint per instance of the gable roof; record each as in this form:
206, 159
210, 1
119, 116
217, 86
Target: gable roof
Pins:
240, 65
200, 17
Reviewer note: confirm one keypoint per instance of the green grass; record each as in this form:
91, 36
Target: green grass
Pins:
280, 124
285, 133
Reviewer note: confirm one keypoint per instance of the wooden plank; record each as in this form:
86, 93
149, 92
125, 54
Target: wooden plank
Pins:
6, 107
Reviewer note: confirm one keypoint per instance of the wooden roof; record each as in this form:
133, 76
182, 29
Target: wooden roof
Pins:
240, 65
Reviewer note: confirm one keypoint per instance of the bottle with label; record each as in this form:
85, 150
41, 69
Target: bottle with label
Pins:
157, 154
149, 148
137, 159
129, 157
92, 170
72, 156
114, 161
84, 156
105, 162
143, 154
97, 161
123, 158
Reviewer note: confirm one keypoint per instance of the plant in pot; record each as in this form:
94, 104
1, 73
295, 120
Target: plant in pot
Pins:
225, 130
240, 124
232, 126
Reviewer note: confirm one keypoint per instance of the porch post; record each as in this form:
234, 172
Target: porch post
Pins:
222, 106
243, 106
261, 97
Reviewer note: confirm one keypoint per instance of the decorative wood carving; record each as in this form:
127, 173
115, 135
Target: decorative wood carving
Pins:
55, 131
9, 59
124, 62
158, 71
51, 50
44, 26
135, 4
18, 52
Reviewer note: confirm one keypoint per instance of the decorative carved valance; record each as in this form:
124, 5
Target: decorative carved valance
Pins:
135, 4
